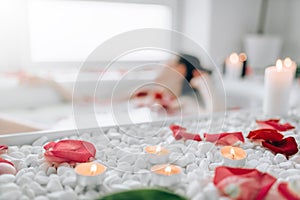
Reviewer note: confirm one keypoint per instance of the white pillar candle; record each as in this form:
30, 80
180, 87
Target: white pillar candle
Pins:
233, 66
289, 64
278, 82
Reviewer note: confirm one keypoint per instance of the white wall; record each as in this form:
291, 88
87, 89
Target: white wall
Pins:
231, 21
12, 33
196, 24
220, 26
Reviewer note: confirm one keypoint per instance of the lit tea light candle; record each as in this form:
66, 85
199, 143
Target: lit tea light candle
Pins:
233, 156
157, 154
233, 66
278, 82
166, 174
289, 64
90, 174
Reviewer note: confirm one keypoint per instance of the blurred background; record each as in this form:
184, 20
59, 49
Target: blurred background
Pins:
51, 39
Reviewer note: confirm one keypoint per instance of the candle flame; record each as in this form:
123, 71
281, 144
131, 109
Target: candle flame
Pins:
279, 65
93, 169
287, 62
168, 170
243, 57
232, 152
158, 149
234, 58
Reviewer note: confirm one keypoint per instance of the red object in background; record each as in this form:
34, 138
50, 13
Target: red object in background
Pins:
6, 161
274, 123
285, 191
265, 135
158, 95
69, 151
141, 94
287, 146
243, 184
180, 133
232, 138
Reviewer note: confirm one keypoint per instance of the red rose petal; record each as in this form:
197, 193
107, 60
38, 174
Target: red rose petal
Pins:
177, 131
287, 146
285, 191
274, 123
265, 134
252, 184
225, 138
49, 145
69, 151
180, 132
6, 161
3, 147
51, 158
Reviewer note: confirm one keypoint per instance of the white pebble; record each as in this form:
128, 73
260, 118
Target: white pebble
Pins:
286, 165
191, 167
41, 198
62, 169
65, 195
263, 167
128, 158
38, 190
193, 189
8, 187
70, 181
31, 160
7, 178
252, 163
51, 170
40, 142
204, 164
279, 158
11, 195
54, 185
28, 191
210, 192
205, 147
43, 180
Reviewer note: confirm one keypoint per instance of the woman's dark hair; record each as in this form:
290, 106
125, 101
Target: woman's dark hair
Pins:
191, 63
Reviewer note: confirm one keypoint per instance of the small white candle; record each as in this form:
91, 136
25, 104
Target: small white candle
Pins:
278, 82
90, 174
166, 175
157, 154
289, 64
233, 66
233, 156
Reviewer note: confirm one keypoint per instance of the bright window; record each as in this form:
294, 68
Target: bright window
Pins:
68, 31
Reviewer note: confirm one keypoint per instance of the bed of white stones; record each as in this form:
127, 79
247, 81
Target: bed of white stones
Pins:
121, 150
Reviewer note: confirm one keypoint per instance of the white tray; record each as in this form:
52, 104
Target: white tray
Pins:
30, 137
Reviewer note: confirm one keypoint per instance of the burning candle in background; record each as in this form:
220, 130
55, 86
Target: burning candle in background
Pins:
289, 64
233, 66
243, 58
166, 175
233, 156
90, 174
278, 82
157, 154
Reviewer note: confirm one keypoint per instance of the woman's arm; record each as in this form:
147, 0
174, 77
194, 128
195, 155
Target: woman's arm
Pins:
9, 126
